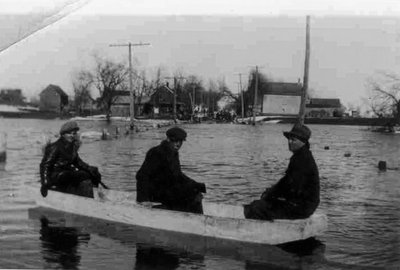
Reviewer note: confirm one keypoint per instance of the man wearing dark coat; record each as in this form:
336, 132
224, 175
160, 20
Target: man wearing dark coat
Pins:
160, 178
62, 169
296, 195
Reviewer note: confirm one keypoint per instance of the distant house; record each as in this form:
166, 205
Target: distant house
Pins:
161, 104
280, 98
11, 97
121, 105
284, 99
53, 99
324, 107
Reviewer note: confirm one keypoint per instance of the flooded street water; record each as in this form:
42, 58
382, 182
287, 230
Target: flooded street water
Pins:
236, 162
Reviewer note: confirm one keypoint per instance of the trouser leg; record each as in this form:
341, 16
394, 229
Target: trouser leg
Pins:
196, 205
191, 205
75, 182
258, 209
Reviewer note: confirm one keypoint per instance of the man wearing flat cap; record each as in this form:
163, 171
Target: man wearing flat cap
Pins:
160, 178
296, 194
62, 169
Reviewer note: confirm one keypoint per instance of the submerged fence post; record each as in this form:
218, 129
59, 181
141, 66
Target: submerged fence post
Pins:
382, 165
3, 150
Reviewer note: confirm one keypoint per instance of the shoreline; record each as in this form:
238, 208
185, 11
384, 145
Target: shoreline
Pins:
341, 121
291, 120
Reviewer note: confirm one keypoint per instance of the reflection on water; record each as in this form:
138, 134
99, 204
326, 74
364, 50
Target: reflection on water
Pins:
308, 247
62, 236
236, 162
155, 258
60, 245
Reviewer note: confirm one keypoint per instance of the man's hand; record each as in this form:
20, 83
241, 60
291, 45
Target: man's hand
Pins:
43, 190
96, 176
94, 171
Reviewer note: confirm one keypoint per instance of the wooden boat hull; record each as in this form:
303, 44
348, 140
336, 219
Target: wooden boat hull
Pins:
219, 220
294, 255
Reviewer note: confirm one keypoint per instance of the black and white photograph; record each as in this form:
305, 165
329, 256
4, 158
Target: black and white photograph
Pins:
183, 134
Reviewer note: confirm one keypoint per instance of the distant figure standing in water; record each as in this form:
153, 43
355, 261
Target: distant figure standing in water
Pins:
160, 178
296, 195
62, 169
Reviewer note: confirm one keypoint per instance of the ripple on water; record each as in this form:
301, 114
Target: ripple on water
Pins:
236, 162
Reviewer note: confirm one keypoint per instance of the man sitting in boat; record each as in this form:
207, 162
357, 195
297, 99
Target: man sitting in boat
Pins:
160, 178
296, 195
62, 169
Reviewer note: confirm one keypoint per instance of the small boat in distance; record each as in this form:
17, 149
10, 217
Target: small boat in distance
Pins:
219, 220
258, 119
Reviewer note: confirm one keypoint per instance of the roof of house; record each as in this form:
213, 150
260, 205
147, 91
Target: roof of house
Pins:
55, 88
9, 91
165, 88
121, 93
124, 98
324, 103
283, 88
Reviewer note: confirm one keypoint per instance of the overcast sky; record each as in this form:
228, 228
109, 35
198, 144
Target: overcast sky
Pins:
350, 41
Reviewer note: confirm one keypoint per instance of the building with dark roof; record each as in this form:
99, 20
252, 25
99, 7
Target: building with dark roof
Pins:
11, 97
324, 107
284, 99
122, 102
53, 99
280, 98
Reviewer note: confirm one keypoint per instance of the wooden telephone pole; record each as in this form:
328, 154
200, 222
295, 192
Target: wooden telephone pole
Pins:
132, 94
241, 93
174, 93
305, 78
193, 100
255, 97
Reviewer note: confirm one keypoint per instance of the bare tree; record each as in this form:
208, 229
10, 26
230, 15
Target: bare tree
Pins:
385, 95
212, 96
81, 84
263, 85
225, 91
158, 78
192, 91
142, 87
109, 77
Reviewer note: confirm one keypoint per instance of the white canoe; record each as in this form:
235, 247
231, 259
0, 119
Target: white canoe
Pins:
219, 220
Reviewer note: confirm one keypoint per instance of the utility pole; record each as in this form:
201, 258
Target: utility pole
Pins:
174, 93
193, 100
208, 101
241, 93
132, 94
255, 97
305, 78
175, 88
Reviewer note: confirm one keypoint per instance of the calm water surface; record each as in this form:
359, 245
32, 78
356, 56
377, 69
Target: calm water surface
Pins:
236, 162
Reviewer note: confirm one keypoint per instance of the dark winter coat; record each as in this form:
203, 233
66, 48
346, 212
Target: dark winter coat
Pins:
294, 196
300, 185
60, 156
160, 178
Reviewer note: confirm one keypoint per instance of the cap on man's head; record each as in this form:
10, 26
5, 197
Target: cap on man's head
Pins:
68, 127
299, 131
176, 134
